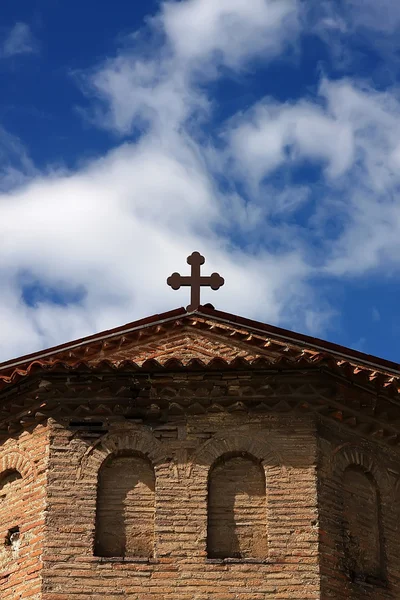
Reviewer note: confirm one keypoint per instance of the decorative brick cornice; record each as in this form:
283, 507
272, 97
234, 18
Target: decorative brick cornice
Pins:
152, 396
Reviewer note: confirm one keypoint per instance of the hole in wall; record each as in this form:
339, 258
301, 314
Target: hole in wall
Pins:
12, 537
9, 477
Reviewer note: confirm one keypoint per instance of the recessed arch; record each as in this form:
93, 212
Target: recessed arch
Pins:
236, 515
362, 523
12, 511
8, 477
140, 441
361, 480
125, 506
350, 454
258, 445
18, 461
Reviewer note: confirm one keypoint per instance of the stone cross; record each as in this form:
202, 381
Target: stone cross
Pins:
195, 260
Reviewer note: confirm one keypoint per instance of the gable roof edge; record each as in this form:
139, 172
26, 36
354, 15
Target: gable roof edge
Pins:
264, 329
302, 339
140, 324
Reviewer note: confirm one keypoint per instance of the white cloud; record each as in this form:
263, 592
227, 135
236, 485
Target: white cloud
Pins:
272, 134
136, 93
19, 40
15, 164
229, 31
159, 87
371, 238
119, 226
350, 127
354, 131
356, 30
117, 229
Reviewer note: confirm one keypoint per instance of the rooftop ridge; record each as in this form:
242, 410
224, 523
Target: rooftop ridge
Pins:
308, 342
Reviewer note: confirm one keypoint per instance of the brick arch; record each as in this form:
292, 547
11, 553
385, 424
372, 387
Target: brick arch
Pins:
141, 442
361, 495
16, 460
125, 506
236, 490
349, 455
236, 443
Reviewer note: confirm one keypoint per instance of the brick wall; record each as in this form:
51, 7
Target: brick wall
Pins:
182, 453
125, 508
223, 506
362, 526
237, 509
359, 519
22, 514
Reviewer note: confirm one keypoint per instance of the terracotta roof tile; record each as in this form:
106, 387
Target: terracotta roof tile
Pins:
258, 345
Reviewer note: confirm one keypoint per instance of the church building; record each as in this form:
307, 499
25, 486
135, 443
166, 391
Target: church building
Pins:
199, 455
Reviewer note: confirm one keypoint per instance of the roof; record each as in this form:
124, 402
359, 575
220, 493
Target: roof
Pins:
204, 361
273, 345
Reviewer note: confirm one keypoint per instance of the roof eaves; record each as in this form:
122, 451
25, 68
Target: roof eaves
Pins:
302, 339
156, 319
348, 354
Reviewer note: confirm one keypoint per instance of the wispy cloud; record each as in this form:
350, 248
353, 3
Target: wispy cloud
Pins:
355, 29
376, 315
18, 40
16, 166
228, 32
383, 16
116, 227
161, 84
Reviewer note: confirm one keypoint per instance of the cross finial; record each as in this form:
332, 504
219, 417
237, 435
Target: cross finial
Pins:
195, 260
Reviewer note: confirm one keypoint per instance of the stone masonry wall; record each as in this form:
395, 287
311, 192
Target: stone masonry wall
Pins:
22, 514
182, 452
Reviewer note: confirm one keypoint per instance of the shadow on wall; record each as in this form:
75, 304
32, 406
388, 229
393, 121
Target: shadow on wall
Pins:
237, 508
125, 507
11, 513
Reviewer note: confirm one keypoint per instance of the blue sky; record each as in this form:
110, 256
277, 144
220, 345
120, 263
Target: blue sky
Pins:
264, 134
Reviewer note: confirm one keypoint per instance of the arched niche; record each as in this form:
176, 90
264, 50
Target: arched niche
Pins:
236, 508
125, 506
362, 523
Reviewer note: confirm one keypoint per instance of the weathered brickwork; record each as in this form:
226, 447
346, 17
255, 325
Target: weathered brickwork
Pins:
276, 477
362, 526
237, 509
227, 506
359, 549
125, 508
23, 463
286, 508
